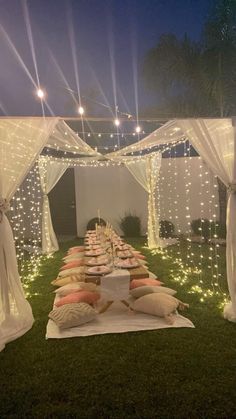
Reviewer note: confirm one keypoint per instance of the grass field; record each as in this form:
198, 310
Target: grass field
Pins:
168, 373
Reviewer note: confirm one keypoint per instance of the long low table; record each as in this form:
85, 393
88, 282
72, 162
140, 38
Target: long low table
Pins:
135, 273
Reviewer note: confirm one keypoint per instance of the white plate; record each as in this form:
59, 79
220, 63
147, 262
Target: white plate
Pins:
121, 247
93, 247
123, 265
124, 254
92, 262
98, 270
94, 253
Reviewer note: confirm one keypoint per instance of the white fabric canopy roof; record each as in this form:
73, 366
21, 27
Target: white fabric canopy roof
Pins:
168, 133
65, 139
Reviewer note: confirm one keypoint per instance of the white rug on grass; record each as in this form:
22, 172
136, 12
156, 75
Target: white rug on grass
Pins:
117, 319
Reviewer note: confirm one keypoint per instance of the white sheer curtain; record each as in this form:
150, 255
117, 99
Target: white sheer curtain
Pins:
50, 173
21, 140
215, 141
146, 171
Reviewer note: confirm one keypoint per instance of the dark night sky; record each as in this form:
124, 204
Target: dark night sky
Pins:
111, 39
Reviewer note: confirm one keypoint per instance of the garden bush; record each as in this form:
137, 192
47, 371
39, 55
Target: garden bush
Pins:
167, 228
92, 223
207, 229
131, 225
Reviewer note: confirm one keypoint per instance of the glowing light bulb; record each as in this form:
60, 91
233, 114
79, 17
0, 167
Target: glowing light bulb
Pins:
81, 110
138, 129
40, 93
117, 122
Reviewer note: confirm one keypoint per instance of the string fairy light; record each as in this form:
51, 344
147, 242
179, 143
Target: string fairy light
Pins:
32, 188
25, 218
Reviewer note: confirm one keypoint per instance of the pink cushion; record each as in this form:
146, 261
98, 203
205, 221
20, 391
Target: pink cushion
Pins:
138, 256
75, 250
79, 297
73, 264
135, 283
72, 252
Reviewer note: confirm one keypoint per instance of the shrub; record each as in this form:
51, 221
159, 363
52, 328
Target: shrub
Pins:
202, 227
92, 223
131, 225
219, 229
167, 228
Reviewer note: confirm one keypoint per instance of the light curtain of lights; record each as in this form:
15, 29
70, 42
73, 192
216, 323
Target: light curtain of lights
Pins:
27, 208
25, 218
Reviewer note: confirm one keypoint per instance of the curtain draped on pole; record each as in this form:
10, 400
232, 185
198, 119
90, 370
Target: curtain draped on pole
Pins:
146, 172
215, 141
50, 173
20, 143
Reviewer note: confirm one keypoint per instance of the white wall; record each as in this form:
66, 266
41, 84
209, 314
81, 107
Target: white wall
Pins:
111, 189
114, 191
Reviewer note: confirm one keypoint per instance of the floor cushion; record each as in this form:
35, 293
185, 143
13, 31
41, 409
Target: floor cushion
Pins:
145, 281
73, 264
67, 272
59, 282
74, 287
71, 315
157, 304
75, 256
83, 296
146, 289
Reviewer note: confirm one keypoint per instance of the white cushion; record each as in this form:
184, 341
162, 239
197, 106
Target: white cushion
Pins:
152, 275
140, 291
60, 282
157, 304
142, 262
71, 315
75, 286
71, 271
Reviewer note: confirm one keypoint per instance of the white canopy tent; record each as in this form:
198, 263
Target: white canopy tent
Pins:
22, 140
215, 141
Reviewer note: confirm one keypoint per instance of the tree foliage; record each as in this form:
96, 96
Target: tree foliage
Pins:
197, 78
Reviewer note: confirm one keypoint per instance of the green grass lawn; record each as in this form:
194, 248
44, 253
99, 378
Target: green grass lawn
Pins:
168, 373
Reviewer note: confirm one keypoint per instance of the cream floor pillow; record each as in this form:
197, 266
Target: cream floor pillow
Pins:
59, 282
75, 286
67, 272
158, 304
